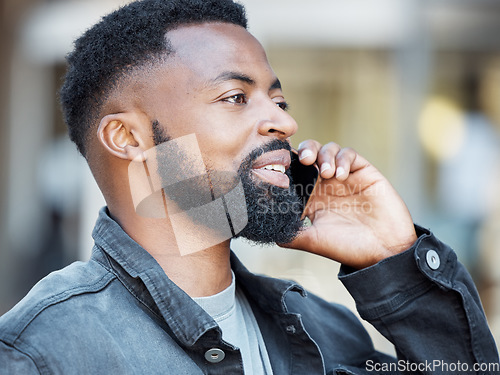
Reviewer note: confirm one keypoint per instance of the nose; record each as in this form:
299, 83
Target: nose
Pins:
278, 123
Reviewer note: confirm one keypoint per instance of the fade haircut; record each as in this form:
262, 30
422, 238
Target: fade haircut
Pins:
122, 43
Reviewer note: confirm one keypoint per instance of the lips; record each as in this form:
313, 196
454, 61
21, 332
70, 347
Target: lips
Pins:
271, 167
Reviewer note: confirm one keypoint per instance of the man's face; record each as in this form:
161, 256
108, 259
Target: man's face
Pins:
218, 85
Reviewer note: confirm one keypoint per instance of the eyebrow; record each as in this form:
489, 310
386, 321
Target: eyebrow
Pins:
229, 76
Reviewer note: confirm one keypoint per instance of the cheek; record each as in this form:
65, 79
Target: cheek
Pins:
225, 139
223, 152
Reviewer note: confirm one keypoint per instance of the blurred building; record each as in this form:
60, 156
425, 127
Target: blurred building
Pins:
412, 85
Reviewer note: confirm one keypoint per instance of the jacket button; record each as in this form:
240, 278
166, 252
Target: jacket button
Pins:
214, 355
432, 259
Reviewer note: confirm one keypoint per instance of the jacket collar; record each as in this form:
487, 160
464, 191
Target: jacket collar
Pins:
267, 292
145, 278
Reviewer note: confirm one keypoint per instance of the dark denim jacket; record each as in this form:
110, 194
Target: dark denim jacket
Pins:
120, 314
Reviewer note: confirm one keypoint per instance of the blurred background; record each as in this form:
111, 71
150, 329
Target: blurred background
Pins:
412, 85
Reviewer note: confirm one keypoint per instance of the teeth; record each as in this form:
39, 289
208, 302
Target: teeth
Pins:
275, 167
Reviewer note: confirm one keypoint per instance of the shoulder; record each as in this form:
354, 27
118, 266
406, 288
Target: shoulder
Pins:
50, 294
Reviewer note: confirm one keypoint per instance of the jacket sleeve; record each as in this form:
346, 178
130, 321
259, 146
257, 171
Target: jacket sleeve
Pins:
14, 362
425, 302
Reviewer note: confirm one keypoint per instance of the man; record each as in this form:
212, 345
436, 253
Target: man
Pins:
178, 98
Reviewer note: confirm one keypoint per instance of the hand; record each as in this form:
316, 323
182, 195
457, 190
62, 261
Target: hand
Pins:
357, 217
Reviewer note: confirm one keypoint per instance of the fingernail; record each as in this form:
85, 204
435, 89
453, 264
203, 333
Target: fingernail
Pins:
305, 153
340, 172
325, 166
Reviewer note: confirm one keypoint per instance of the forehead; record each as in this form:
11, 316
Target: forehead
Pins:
211, 48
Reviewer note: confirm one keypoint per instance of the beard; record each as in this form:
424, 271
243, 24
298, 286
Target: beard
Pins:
273, 212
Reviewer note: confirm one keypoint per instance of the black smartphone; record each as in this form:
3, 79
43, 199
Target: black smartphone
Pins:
304, 177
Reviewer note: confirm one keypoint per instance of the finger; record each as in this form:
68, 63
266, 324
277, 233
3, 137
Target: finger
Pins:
344, 162
359, 163
308, 151
327, 159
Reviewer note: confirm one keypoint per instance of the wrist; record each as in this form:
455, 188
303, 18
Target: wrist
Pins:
391, 248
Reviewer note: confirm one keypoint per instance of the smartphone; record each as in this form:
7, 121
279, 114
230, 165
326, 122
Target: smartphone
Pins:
304, 177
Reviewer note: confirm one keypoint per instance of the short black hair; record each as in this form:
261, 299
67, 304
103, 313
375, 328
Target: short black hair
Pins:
123, 41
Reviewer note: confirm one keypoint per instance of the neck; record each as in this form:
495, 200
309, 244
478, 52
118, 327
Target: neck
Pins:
204, 272
200, 274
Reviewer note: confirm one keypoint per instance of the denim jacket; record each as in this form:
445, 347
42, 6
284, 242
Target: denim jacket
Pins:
119, 313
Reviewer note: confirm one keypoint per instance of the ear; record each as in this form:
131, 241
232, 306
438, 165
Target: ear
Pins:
123, 135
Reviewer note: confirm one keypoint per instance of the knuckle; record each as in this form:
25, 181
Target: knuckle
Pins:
331, 149
308, 143
349, 150
332, 144
347, 153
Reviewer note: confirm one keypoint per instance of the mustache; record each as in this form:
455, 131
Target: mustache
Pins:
276, 144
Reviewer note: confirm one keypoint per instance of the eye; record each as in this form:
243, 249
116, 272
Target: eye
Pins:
283, 105
236, 99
